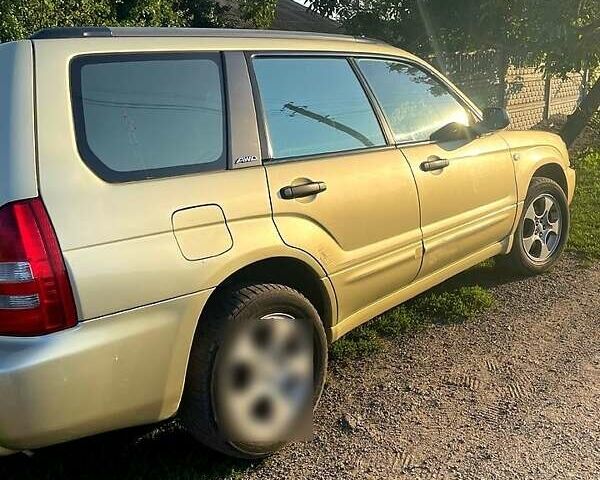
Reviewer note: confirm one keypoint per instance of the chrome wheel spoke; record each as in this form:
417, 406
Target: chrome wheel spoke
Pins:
528, 243
545, 251
548, 204
530, 213
554, 227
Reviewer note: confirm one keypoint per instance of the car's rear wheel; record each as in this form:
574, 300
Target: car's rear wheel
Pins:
256, 370
543, 228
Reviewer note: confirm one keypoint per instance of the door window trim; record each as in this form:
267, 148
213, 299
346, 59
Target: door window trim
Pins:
95, 164
451, 89
265, 140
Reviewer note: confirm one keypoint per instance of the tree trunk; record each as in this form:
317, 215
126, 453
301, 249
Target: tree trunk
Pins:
581, 117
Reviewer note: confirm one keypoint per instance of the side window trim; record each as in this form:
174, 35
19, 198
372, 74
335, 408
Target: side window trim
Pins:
95, 164
265, 140
405, 61
244, 140
379, 113
263, 133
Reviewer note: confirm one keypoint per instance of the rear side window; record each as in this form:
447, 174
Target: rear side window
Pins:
415, 103
146, 116
314, 106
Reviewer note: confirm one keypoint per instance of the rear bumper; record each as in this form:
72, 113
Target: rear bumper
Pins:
117, 371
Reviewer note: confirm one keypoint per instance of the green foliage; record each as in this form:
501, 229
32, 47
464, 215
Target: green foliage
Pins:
359, 343
455, 305
260, 13
149, 13
595, 122
567, 32
20, 18
585, 211
394, 322
438, 305
206, 13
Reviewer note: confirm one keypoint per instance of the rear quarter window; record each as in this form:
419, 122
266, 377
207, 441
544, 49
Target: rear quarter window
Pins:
141, 116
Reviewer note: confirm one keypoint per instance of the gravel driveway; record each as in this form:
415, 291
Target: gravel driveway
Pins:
513, 394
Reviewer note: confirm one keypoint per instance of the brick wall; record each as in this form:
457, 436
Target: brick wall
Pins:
528, 96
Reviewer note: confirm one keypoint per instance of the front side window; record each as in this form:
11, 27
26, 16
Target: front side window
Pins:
314, 106
415, 103
146, 116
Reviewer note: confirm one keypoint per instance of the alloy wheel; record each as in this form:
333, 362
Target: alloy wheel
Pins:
542, 228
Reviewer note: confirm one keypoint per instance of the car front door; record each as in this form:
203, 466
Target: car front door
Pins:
338, 190
467, 188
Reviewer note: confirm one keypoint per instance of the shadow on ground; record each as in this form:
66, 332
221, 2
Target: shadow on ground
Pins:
163, 452
487, 275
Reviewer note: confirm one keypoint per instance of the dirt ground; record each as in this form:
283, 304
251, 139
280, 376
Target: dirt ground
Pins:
512, 394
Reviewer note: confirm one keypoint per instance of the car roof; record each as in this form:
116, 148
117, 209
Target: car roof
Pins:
95, 32
89, 39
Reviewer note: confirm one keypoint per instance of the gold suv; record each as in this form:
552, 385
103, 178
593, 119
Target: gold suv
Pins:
188, 218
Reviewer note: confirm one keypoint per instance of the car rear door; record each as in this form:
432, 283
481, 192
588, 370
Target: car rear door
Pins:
467, 188
338, 190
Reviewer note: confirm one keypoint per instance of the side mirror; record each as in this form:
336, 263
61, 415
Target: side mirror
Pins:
494, 119
453, 132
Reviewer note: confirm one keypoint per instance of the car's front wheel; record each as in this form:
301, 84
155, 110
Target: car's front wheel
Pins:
256, 370
543, 228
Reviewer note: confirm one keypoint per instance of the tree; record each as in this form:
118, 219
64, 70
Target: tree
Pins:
20, 18
568, 35
149, 13
561, 35
260, 13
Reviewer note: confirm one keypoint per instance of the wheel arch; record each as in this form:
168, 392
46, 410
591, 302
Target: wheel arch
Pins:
289, 271
553, 171
540, 161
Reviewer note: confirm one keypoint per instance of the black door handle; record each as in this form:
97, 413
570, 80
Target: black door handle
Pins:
301, 191
434, 163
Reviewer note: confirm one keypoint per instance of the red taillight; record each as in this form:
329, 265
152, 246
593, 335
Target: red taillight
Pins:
35, 293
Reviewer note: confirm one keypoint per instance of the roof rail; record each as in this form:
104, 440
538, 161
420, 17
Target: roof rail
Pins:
94, 32
72, 32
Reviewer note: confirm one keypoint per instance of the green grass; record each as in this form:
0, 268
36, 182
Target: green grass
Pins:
453, 306
438, 305
585, 210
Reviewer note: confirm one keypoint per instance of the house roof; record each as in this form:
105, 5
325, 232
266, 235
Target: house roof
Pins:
290, 15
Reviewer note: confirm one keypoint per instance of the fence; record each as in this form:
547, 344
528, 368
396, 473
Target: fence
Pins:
528, 96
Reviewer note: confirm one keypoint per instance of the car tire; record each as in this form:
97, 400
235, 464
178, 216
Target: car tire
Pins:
227, 321
543, 229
